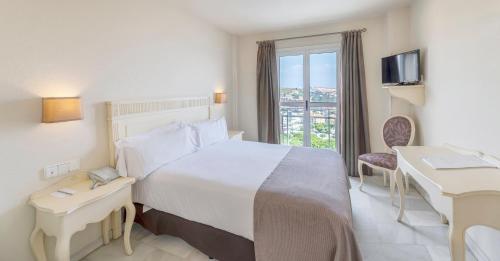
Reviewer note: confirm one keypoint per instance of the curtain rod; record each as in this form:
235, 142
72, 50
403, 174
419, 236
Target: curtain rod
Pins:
312, 35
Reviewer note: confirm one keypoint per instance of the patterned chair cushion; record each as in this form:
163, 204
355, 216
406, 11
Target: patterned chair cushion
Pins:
397, 131
384, 160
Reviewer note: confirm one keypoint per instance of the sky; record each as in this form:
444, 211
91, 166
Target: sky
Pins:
323, 70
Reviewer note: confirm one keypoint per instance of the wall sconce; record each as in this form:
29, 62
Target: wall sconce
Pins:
61, 109
220, 97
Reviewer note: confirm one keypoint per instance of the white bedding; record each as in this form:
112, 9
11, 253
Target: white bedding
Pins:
215, 186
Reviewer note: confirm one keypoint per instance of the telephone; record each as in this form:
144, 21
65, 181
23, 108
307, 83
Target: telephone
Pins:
102, 176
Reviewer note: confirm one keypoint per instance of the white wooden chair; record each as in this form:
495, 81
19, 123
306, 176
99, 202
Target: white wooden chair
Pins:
398, 130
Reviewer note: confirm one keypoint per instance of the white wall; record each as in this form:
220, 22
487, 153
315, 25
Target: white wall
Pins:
99, 50
461, 40
373, 47
398, 30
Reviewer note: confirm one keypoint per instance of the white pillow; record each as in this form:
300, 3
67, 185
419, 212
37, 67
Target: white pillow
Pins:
121, 166
169, 127
139, 156
210, 132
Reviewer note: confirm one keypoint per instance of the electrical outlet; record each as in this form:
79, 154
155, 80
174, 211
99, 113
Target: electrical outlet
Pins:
50, 171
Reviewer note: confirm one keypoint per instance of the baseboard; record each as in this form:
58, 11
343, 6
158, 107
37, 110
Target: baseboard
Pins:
471, 245
87, 249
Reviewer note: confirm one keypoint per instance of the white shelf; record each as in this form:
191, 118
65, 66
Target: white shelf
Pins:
414, 94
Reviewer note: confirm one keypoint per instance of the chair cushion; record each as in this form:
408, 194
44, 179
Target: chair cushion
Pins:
384, 160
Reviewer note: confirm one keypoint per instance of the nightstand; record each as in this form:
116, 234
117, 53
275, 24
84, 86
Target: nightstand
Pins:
62, 217
236, 135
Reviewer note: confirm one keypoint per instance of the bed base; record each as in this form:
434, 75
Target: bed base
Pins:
213, 242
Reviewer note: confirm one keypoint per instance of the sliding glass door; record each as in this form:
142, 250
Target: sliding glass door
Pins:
308, 96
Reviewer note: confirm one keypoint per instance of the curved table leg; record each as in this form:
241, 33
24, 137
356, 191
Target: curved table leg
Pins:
116, 223
62, 248
129, 220
105, 225
360, 171
407, 183
401, 189
37, 245
392, 180
457, 243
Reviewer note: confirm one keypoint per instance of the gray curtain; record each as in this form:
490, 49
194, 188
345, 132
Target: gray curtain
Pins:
267, 93
354, 138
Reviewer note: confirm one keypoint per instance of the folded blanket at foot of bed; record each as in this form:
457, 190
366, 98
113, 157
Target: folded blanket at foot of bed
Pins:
303, 210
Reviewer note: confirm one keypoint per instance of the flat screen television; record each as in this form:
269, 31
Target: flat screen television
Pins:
401, 69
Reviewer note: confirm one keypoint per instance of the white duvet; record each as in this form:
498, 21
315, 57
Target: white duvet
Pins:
215, 186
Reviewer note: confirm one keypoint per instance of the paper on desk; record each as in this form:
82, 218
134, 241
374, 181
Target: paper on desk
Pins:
58, 194
457, 162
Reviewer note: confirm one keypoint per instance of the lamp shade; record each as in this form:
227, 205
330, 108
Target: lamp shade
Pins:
61, 109
220, 97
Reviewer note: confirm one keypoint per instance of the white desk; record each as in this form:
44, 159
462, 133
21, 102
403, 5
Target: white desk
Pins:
466, 197
62, 217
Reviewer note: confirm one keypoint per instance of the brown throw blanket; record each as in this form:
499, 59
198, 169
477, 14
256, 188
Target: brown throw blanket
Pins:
303, 211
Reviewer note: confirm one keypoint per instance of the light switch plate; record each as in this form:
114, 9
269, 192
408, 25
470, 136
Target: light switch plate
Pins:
61, 169
74, 165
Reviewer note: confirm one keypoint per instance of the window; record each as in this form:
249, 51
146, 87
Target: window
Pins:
308, 96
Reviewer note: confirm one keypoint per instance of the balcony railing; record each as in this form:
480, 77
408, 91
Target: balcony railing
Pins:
322, 127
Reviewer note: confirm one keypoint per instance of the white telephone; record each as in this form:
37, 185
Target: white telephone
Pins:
102, 176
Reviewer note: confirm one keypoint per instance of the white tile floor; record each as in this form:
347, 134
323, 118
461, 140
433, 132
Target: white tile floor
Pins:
421, 236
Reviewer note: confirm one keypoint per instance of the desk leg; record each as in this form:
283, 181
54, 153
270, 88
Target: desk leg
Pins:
105, 225
401, 189
457, 243
62, 248
37, 245
361, 176
407, 183
116, 223
392, 184
129, 220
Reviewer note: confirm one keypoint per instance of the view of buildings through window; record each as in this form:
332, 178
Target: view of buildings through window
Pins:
308, 113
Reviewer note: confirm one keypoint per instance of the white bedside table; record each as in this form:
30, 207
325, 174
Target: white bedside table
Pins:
62, 217
236, 135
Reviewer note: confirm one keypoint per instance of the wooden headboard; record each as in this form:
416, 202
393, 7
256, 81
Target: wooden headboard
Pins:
130, 118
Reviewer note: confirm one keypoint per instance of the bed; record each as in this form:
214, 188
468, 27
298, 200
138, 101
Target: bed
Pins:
240, 200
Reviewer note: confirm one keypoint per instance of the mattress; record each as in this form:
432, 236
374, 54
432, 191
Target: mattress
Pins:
215, 186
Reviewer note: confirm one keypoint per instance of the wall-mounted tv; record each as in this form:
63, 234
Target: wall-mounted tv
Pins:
400, 69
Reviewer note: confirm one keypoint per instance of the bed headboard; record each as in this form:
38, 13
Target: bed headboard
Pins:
129, 118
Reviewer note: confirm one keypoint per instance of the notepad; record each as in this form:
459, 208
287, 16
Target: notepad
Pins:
457, 162
58, 194
63, 193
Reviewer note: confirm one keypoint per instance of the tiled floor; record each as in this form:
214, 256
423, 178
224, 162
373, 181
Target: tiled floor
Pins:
421, 236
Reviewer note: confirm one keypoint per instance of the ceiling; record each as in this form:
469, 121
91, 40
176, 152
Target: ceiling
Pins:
256, 16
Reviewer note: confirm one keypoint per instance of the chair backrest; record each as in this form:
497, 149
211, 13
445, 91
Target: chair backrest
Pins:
398, 130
